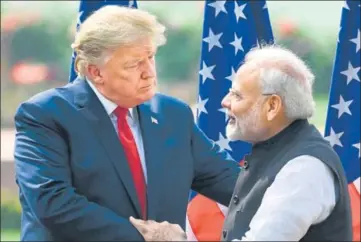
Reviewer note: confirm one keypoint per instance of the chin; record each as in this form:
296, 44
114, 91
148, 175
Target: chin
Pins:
146, 96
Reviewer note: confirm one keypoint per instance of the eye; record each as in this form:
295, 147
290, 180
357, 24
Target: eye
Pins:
134, 65
235, 95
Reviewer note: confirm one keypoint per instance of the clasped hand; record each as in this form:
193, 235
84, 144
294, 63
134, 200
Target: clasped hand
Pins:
154, 231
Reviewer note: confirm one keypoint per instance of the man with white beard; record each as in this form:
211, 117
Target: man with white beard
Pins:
293, 186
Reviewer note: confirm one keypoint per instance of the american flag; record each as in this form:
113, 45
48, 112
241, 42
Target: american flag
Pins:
86, 8
343, 116
230, 30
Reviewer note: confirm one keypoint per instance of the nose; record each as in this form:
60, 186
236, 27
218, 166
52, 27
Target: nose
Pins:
149, 69
226, 102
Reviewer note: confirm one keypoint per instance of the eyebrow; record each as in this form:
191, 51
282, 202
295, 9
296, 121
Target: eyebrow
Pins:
235, 92
132, 61
138, 58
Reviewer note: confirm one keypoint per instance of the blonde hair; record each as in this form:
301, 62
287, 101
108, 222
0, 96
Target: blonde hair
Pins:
112, 27
283, 73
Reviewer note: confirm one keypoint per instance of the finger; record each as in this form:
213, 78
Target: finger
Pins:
177, 227
139, 224
136, 221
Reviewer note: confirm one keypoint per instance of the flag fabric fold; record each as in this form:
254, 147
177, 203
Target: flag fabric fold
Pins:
230, 30
342, 128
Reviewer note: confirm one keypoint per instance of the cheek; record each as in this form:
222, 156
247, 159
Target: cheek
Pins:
238, 108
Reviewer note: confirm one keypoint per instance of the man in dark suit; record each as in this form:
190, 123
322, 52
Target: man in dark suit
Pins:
95, 152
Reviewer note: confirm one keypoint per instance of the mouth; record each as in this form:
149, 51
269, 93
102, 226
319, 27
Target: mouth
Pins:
231, 119
147, 87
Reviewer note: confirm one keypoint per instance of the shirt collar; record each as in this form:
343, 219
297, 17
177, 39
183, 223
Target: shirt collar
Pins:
107, 104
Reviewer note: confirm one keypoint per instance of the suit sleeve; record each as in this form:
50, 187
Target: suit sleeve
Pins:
216, 172
44, 179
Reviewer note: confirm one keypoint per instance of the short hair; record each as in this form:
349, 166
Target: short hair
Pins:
283, 73
110, 28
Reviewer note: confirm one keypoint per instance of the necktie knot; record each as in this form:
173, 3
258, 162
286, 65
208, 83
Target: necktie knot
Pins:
121, 113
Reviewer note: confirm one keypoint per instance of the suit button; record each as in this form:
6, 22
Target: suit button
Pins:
224, 233
235, 199
245, 165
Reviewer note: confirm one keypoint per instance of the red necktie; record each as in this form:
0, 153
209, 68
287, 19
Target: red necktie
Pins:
131, 152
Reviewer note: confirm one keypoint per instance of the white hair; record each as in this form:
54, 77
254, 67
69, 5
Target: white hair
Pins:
110, 28
283, 73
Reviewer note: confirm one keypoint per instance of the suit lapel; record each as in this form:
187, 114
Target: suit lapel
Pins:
92, 109
151, 123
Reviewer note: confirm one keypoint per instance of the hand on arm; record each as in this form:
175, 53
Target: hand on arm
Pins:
154, 231
216, 172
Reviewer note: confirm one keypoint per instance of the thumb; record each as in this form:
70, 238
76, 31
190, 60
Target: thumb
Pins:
139, 225
136, 222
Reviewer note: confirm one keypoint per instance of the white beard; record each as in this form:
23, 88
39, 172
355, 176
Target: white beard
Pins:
247, 127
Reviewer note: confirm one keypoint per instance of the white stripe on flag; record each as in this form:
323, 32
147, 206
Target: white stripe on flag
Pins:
223, 209
357, 184
189, 231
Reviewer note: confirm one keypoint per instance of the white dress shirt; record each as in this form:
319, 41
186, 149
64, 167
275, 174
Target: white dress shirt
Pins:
133, 122
302, 194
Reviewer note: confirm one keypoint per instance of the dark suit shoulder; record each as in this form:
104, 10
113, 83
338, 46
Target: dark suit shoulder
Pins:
173, 110
168, 100
170, 104
48, 98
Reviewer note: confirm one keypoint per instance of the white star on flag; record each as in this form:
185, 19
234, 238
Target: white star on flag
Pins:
79, 17
346, 5
357, 146
218, 7
343, 107
357, 41
238, 10
201, 106
206, 72
334, 138
213, 40
237, 43
224, 110
351, 73
232, 76
265, 6
223, 142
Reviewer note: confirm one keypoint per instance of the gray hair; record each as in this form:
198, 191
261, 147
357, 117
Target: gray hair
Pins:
112, 27
283, 73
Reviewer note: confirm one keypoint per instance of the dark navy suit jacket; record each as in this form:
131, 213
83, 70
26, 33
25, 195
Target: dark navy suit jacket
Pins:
74, 180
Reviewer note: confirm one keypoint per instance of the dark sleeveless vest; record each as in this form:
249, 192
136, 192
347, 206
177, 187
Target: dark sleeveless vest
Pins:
264, 163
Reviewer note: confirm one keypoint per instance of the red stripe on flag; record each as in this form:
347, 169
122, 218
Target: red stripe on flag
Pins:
355, 208
205, 218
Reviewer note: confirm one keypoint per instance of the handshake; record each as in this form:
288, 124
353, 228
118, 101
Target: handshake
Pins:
154, 231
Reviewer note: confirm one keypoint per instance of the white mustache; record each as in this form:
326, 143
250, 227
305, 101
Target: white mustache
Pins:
229, 115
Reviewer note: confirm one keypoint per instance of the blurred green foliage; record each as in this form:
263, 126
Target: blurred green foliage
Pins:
178, 59
318, 55
10, 210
